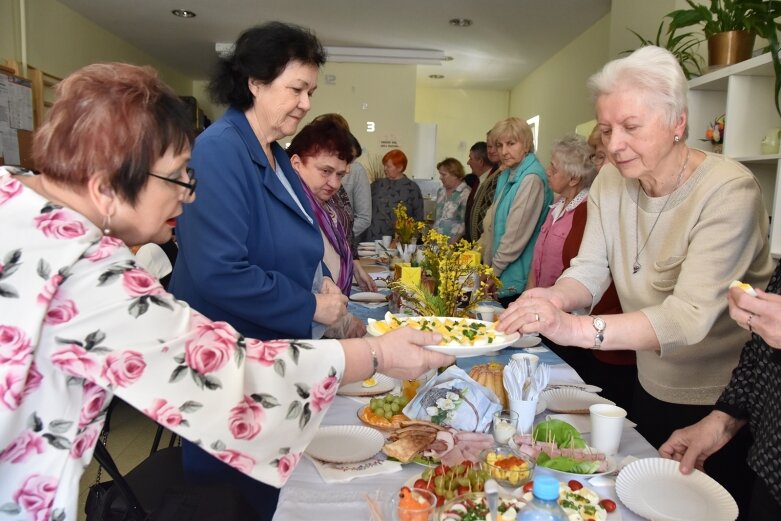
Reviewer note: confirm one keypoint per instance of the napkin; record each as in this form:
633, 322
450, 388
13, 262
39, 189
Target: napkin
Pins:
344, 472
582, 422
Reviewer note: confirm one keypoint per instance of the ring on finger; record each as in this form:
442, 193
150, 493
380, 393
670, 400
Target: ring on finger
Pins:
748, 323
537, 317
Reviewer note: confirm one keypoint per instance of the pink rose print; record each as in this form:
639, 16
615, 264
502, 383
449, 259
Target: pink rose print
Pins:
74, 360
164, 414
58, 224
123, 369
245, 419
95, 400
61, 312
323, 393
36, 496
84, 441
9, 188
16, 382
14, 346
287, 464
47, 294
212, 349
104, 249
236, 459
139, 283
265, 352
34, 379
25, 445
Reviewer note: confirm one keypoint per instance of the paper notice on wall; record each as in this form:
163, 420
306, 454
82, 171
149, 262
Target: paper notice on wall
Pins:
5, 122
10, 145
20, 98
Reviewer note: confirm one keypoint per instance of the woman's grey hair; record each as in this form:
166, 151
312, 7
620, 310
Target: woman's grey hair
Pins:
573, 156
653, 70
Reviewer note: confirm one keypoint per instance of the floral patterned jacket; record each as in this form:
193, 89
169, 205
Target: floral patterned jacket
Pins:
451, 211
80, 322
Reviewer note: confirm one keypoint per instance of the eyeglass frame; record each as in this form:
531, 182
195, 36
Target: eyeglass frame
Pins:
190, 174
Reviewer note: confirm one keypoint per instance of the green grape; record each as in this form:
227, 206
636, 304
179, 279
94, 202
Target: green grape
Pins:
395, 407
388, 415
403, 401
439, 483
387, 407
388, 398
427, 474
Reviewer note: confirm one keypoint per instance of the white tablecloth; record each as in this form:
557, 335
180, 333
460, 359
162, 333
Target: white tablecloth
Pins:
306, 497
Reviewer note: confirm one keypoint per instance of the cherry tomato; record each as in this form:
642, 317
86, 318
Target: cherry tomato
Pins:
441, 469
462, 489
528, 486
440, 500
608, 504
420, 483
574, 485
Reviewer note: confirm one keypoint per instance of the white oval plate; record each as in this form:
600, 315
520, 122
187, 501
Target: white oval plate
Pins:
656, 489
573, 401
385, 384
366, 244
345, 443
458, 350
369, 297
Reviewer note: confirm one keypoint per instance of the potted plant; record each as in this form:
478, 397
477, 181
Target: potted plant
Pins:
728, 19
682, 46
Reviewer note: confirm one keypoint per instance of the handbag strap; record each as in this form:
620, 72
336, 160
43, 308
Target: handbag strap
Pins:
135, 509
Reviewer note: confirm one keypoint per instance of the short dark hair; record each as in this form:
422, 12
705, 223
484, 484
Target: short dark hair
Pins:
262, 52
481, 151
111, 117
323, 136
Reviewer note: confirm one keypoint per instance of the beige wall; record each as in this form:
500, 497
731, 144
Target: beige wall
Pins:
641, 16
462, 117
59, 41
556, 90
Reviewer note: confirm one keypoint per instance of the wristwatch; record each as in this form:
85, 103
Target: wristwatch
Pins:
599, 326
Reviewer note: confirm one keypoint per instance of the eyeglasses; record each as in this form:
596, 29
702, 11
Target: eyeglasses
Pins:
191, 185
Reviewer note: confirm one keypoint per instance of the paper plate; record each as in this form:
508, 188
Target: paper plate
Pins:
369, 297
654, 488
385, 384
527, 341
573, 401
345, 443
366, 244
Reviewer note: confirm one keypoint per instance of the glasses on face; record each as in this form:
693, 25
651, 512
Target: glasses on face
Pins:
190, 175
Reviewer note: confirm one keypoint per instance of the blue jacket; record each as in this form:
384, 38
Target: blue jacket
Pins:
247, 253
516, 274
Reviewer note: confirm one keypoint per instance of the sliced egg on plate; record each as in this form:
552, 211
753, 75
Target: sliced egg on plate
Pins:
369, 382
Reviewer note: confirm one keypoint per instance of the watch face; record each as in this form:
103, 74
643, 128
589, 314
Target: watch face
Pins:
599, 324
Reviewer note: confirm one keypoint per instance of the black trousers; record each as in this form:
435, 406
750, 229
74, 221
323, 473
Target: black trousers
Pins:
763, 506
656, 421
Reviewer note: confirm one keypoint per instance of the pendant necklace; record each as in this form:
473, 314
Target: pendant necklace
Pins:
638, 250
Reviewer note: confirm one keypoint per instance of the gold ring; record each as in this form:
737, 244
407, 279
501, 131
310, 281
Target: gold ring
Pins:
537, 317
748, 323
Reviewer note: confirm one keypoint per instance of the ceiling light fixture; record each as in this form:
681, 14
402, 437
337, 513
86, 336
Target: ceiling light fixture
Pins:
449, 58
183, 13
460, 22
436, 76
384, 55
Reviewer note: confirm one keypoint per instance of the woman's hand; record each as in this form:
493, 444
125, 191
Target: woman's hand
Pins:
531, 314
760, 314
329, 287
365, 281
400, 355
693, 444
329, 307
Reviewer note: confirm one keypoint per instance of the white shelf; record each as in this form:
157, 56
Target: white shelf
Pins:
760, 65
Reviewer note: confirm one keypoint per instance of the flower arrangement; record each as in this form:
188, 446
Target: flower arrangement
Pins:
458, 280
445, 408
715, 131
406, 227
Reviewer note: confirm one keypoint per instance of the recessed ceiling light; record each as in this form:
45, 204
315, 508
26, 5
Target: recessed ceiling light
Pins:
183, 13
448, 59
436, 76
460, 22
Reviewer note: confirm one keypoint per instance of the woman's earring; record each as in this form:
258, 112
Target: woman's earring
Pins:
677, 138
106, 224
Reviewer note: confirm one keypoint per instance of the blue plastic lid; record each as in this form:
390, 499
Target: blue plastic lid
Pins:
546, 488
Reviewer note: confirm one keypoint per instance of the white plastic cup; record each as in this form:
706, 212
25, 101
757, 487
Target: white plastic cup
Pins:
504, 426
386, 241
526, 410
534, 360
607, 425
485, 312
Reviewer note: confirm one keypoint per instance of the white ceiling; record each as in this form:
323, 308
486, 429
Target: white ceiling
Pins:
507, 41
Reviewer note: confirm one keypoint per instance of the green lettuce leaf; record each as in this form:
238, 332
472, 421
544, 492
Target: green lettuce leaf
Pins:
560, 432
570, 465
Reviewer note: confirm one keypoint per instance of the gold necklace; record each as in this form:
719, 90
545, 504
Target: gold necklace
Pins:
638, 250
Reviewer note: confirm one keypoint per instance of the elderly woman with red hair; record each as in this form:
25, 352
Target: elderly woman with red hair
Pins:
81, 322
388, 192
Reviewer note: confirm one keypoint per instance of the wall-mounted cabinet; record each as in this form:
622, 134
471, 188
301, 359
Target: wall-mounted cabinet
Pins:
744, 93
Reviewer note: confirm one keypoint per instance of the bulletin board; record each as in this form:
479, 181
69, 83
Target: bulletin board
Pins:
16, 119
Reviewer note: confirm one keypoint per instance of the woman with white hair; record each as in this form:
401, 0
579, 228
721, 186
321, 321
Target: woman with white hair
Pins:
671, 226
570, 173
